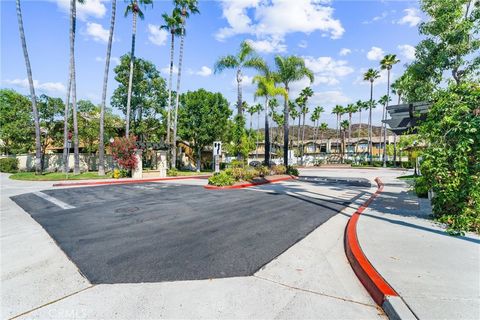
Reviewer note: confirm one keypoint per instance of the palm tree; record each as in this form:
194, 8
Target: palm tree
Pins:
307, 93
293, 114
315, 117
298, 104
350, 109
386, 64
172, 25
101, 144
38, 146
245, 58
266, 88
338, 110
370, 75
257, 109
344, 125
72, 90
383, 101
186, 8
322, 128
289, 69
133, 8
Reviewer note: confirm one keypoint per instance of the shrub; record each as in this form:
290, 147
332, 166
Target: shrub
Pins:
280, 169
173, 172
262, 171
421, 187
292, 171
123, 151
221, 179
119, 173
9, 165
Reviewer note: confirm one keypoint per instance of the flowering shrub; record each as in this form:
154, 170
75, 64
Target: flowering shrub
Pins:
123, 151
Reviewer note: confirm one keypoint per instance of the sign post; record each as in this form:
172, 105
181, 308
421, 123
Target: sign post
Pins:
217, 152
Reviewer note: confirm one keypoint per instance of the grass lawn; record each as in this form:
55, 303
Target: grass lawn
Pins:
55, 176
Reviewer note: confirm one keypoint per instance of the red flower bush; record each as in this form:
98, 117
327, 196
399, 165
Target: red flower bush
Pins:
123, 151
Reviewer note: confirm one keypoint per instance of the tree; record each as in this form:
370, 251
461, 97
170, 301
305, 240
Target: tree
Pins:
256, 109
386, 64
289, 69
370, 75
134, 8
307, 93
203, 119
101, 144
383, 101
38, 154
173, 24
186, 8
148, 96
350, 109
16, 124
50, 110
315, 118
246, 57
452, 41
266, 88
338, 110
322, 128
344, 125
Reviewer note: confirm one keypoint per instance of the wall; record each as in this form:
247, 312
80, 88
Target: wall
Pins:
54, 162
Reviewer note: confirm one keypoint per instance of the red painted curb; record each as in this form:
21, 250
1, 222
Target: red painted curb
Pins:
93, 183
366, 273
249, 184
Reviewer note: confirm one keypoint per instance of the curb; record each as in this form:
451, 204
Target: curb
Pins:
94, 183
249, 184
378, 288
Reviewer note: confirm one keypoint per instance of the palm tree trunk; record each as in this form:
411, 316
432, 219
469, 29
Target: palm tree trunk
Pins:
298, 136
349, 130
258, 128
130, 77
267, 136
303, 139
101, 145
370, 144
286, 113
38, 146
384, 125
169, 106
239, 92
76, 157
179, 76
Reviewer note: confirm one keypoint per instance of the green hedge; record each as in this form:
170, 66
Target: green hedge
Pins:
9, 165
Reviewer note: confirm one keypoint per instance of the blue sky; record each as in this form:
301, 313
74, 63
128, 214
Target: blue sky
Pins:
338, 39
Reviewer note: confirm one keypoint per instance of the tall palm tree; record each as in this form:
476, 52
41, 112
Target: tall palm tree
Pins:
186, 8
298, 104
244, 58
173, 26
386, 64
315, 117
344, 125
266, 88
350, 109
383, 101
289, 69
322, 128
338, 110
294, 115
370, 75
101, 144
38, 146
134, 8
257, 109
71, 91
307, 94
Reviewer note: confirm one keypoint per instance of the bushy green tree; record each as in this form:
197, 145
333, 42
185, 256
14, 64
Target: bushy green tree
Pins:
451, 163
203, 119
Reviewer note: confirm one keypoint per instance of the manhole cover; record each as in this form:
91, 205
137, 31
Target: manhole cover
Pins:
127, 210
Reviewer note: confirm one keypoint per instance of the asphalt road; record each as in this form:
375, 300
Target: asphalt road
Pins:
155, 232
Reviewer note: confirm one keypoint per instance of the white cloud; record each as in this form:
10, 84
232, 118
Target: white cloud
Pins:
407, 51
91, 8
329, 98
97, 32
166, 70
203, 72
114, 60
156, 35
345, 51
382, 16
247, 81
327, 70
273, 20
375, 53
52, 87
268, 46
411, 17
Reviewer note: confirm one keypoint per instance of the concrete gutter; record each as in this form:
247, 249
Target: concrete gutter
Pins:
380, 290
126, 181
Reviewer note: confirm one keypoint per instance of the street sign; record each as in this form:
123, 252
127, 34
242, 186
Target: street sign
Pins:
217, 148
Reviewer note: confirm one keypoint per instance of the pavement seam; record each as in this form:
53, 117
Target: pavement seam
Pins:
51, 302
316, 292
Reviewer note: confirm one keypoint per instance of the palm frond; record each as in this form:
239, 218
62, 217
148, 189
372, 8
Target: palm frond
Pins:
226, 62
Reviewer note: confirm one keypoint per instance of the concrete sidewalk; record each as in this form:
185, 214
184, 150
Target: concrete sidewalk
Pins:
437, 275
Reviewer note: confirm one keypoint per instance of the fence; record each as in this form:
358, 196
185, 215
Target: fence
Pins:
54, 162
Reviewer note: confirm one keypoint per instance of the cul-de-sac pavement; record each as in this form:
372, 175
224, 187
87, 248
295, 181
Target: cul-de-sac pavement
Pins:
174, 249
